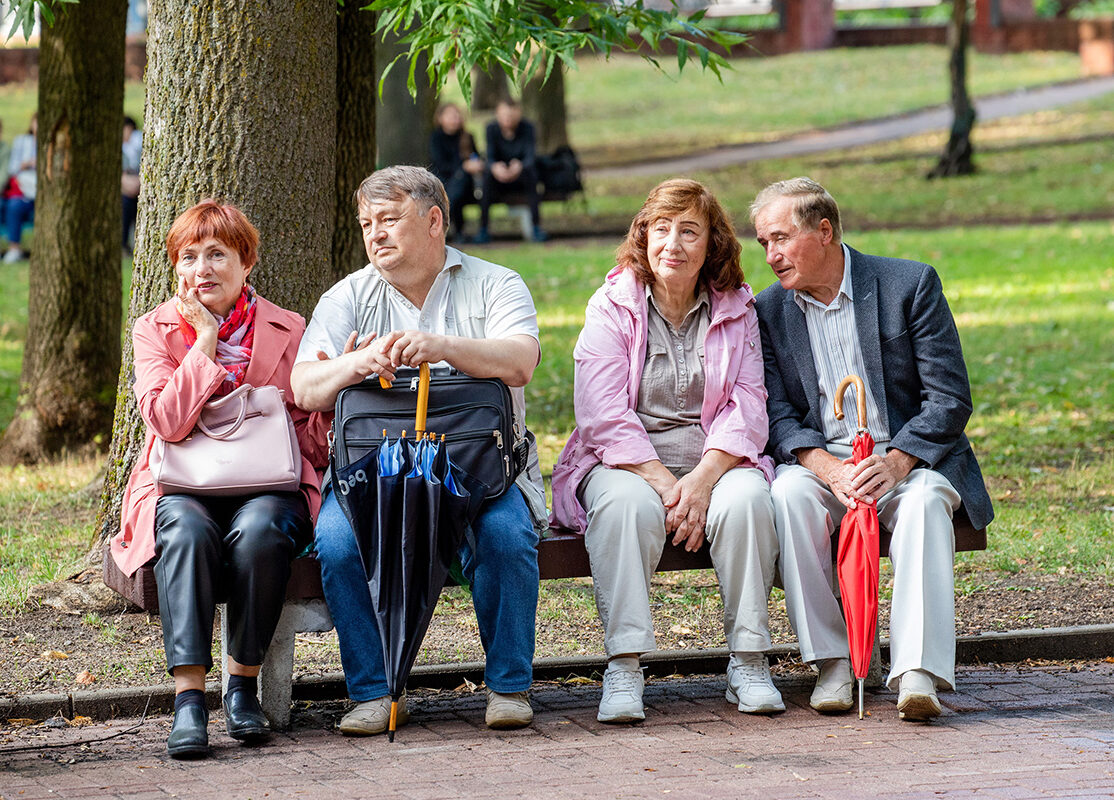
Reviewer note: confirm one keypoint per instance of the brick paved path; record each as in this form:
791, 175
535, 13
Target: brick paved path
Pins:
1008, 733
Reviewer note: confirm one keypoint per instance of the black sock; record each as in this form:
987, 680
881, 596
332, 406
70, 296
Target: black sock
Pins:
189, 697
249, 685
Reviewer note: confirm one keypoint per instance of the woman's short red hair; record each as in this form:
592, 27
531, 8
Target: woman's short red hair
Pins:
722, 268
212, 220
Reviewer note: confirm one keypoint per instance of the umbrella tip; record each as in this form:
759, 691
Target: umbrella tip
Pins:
392, 725
860, 698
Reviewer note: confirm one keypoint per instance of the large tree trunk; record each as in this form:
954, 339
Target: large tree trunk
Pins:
72, 357
403, 122
355, 138
544, 103
957, 157
241, 106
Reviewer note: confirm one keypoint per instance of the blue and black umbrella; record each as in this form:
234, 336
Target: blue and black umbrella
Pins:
409, 507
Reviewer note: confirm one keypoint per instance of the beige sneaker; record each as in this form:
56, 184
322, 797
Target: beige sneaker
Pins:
508, 710
372, 717
916, 697
833, 686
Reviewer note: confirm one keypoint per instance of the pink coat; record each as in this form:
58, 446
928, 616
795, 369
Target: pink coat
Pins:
610, 355
173, 383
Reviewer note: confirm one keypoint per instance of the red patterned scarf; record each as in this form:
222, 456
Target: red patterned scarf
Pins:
235, 337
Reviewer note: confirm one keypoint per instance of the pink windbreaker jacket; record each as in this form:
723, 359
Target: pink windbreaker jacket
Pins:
609, 356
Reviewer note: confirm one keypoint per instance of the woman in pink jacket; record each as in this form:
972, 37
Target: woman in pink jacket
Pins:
671, 423
213, 336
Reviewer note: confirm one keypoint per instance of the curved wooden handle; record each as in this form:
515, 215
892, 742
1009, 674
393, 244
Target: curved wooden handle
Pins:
860, 398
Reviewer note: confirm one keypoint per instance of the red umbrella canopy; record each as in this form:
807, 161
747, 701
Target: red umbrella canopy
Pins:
857, 564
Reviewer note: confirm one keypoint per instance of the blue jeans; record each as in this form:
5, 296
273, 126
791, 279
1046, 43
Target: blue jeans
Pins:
503, 572
19, 211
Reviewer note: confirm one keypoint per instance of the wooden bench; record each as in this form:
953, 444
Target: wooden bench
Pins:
560, 555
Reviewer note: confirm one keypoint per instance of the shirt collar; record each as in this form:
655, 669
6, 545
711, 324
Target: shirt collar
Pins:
802, 298
702, 302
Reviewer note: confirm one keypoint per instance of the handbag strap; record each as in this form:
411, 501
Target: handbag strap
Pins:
240, 394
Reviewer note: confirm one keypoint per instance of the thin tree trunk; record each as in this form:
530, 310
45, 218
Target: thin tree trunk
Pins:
544, 103
355, 137
958, 153
72, 357
403, 122
241, 106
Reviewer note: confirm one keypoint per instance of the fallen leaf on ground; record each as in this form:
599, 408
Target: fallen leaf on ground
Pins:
53, 655
80, 720
19, 722
85, 677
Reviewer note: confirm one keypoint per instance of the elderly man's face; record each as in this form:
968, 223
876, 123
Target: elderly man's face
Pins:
396, 236
796, 255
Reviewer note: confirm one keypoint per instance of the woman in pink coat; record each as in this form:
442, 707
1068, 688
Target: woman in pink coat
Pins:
671, 423
213, 336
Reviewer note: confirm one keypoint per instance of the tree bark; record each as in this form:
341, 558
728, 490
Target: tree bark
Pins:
355, 136
957, 158
72, 357
544, 103
241, 106
403, 122
488, 88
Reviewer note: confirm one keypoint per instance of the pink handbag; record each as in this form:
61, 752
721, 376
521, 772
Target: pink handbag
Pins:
244, 443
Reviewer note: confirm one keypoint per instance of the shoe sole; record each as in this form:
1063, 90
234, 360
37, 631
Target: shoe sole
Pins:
508, 724
919, 708
621, 717
832, 706
188, 751
762, 708
251, 735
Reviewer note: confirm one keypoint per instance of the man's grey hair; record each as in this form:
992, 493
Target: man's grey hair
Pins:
394, 183
811, 204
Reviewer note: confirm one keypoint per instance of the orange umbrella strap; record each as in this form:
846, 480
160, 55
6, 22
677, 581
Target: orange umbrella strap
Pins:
423, 399
860, 399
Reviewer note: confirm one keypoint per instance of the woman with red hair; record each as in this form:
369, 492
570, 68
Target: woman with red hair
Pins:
214, 335
671, 422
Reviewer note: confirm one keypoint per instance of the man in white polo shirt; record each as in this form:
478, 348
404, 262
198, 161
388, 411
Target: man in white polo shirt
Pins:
836, 311
421, 301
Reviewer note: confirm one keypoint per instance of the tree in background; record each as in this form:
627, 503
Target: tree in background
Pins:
72, 357
958, 152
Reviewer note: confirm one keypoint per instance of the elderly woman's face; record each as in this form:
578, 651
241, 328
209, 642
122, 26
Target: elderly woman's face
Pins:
677, 246
216, 271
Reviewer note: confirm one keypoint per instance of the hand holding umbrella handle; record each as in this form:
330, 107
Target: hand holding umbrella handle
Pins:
860, 399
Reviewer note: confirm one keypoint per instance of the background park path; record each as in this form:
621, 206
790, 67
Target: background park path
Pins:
866, 132
1009, 732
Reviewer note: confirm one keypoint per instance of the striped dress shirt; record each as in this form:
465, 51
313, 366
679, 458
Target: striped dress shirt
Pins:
837, 354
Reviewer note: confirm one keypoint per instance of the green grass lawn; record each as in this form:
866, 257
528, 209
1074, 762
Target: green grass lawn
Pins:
18, 100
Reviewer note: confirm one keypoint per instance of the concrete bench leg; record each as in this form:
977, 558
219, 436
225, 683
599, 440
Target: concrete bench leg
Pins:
277, 673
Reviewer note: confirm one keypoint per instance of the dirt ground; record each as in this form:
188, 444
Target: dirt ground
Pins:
106, 645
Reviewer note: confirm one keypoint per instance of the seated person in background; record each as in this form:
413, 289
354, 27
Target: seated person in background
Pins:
511, 165
129, 180
836, 311
19, 191
420, 301
671, 423
456, 163
213, 336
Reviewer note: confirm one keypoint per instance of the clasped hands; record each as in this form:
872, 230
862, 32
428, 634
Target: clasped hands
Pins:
383, 355
867, 481
686, 507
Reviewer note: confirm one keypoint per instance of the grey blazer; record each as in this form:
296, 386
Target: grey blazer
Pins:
915, 364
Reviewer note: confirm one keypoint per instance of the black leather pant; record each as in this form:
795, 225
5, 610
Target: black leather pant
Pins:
232, 549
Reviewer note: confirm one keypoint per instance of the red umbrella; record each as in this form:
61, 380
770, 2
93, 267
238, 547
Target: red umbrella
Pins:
857, 559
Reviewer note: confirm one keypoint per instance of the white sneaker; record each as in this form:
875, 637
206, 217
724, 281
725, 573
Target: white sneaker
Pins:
622, 695
833, 688
749, 684
13, 256
916, 697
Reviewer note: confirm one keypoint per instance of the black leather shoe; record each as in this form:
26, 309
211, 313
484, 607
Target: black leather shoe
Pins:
189, 737
244, 716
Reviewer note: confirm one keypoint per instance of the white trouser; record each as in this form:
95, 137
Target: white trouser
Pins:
918, 511
625, 538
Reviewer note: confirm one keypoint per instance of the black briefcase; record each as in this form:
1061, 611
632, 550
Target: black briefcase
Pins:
474, 414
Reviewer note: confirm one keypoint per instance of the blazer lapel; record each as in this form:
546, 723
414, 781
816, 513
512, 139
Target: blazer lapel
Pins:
271, 338
796, 332
167, 315
865, 285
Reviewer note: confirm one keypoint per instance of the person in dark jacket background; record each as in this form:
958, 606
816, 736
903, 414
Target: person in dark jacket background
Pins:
456, 162
511, 165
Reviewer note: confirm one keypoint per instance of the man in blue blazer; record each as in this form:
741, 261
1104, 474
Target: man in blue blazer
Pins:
836, 311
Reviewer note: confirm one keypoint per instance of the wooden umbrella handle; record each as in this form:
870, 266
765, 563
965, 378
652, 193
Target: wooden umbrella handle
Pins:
860, 398
423, 400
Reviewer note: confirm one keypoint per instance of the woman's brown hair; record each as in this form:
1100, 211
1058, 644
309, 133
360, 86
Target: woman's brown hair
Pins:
722, 269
